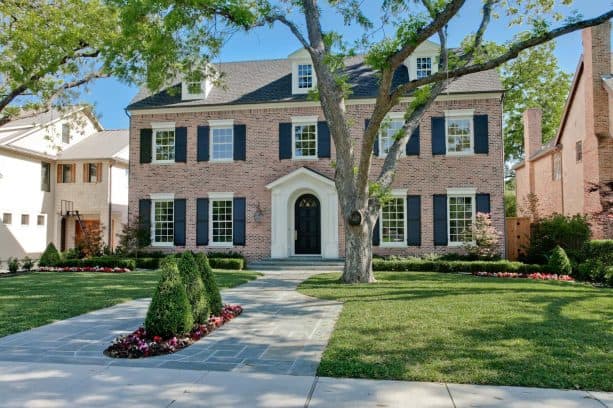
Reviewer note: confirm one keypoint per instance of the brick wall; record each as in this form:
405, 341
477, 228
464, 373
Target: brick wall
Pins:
424, 175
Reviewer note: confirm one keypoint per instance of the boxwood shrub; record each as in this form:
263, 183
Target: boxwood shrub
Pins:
600, 250
227, 263
148, 263
454, 266
50, 257
101, 261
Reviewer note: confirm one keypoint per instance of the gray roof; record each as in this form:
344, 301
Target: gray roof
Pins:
266, 81
107, 144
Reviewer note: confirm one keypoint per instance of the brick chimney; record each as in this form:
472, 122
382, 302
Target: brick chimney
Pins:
597, 62
533, 135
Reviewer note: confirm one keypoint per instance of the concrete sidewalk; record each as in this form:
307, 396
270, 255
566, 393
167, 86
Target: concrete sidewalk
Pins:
67, 385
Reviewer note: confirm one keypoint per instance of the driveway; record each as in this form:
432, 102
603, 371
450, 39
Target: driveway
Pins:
279, 332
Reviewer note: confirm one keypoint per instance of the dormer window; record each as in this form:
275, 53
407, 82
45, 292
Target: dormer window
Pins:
195, 86
424, 67
305, 76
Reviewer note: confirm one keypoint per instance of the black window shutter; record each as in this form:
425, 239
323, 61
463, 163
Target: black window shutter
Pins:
323, 140
438, 136
483, 203
440, 219
413, 220
375, 146
481, 134
412, 148
285, 141
376, 236
179, 227
144, 214
145, 145
203, 143
239, 220
181, 145
202, 221
240, 142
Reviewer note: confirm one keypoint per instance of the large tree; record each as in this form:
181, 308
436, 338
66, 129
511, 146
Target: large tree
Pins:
532, 80
192, 29
50, 49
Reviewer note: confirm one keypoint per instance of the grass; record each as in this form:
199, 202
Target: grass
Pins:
39, 298
466, 329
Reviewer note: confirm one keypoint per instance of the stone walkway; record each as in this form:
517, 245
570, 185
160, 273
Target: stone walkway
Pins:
279, 332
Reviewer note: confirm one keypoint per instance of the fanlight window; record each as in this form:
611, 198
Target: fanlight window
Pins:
308, 202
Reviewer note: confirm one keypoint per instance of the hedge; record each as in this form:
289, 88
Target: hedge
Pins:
455, 266
601, 250
102, 262
148, 263
227, 263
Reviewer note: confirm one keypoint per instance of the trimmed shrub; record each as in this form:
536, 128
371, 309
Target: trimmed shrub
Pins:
13, 264
455, 266
190, 275
147, 263
594, 270
169, 313
570, 233
559, 262
27, 264
102, 262
50, 257
227, 263
601, 250
210, 285
231, 254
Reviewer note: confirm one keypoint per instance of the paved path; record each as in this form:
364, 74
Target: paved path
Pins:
279, 332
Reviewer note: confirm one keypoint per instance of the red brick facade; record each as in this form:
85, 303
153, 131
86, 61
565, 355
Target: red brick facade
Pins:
424, 175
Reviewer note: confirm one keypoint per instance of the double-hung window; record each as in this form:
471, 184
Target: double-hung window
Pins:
221, 221
304, 138
222, 140
66, 173
393, 221
461, 216
459, 130
424, 67
164, 144
389, 132
163, 222
305, 76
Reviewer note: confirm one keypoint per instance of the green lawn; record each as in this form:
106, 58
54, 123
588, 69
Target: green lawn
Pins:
465, 329
35, 299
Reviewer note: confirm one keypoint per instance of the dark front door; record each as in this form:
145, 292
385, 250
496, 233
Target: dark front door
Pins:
308, 225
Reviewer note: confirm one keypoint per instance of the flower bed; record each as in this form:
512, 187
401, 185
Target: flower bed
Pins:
138, 344
536, 276
82, 269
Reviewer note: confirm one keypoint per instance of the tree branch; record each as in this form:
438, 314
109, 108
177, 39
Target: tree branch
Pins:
485, 20
293, 28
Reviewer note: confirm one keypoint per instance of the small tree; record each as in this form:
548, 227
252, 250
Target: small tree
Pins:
27, 263
190, 275
91, 242
559, 262
50, 257
212, 290
169, 313
133, 238
13, 265
484, 240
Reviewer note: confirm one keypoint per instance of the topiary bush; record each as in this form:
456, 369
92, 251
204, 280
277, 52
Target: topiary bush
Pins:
169, 313
194, 287
50, 257
559, 262
210, 285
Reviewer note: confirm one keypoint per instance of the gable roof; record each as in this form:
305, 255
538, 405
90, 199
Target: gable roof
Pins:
307, 171
270, 81
107, 144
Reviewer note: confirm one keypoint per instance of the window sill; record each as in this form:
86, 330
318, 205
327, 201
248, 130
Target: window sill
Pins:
162, 244
305, 158
221, 160
221, 244
471, 153
164, 162
393, 244
455, 244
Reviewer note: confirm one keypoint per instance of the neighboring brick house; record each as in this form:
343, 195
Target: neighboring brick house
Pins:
248, 167
53, 165
563, 173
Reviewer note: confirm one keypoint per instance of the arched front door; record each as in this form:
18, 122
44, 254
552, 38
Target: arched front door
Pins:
307, 222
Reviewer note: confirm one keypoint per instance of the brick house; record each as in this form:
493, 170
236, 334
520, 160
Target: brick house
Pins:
248, 167
564, 172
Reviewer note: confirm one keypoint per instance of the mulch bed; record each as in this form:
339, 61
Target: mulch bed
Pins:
535, 276
139, 344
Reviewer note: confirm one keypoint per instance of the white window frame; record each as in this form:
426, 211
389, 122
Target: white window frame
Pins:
468, 114
459, 192
392, 117
162, 127
220, 197
417, 69
304, 121
296, 90
157, 198
220, 124
402, 194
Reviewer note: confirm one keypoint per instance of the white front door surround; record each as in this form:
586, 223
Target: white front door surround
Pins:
285, 191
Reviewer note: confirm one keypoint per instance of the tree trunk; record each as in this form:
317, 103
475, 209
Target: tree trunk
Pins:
358, 252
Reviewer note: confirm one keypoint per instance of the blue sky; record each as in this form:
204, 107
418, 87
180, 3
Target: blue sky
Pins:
110, 96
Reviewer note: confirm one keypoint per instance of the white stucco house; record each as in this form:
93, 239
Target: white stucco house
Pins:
60, 173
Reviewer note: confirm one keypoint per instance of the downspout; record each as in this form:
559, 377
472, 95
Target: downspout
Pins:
110, 204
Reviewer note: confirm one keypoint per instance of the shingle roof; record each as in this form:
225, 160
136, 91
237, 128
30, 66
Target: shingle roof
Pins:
107, 144
266, 81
